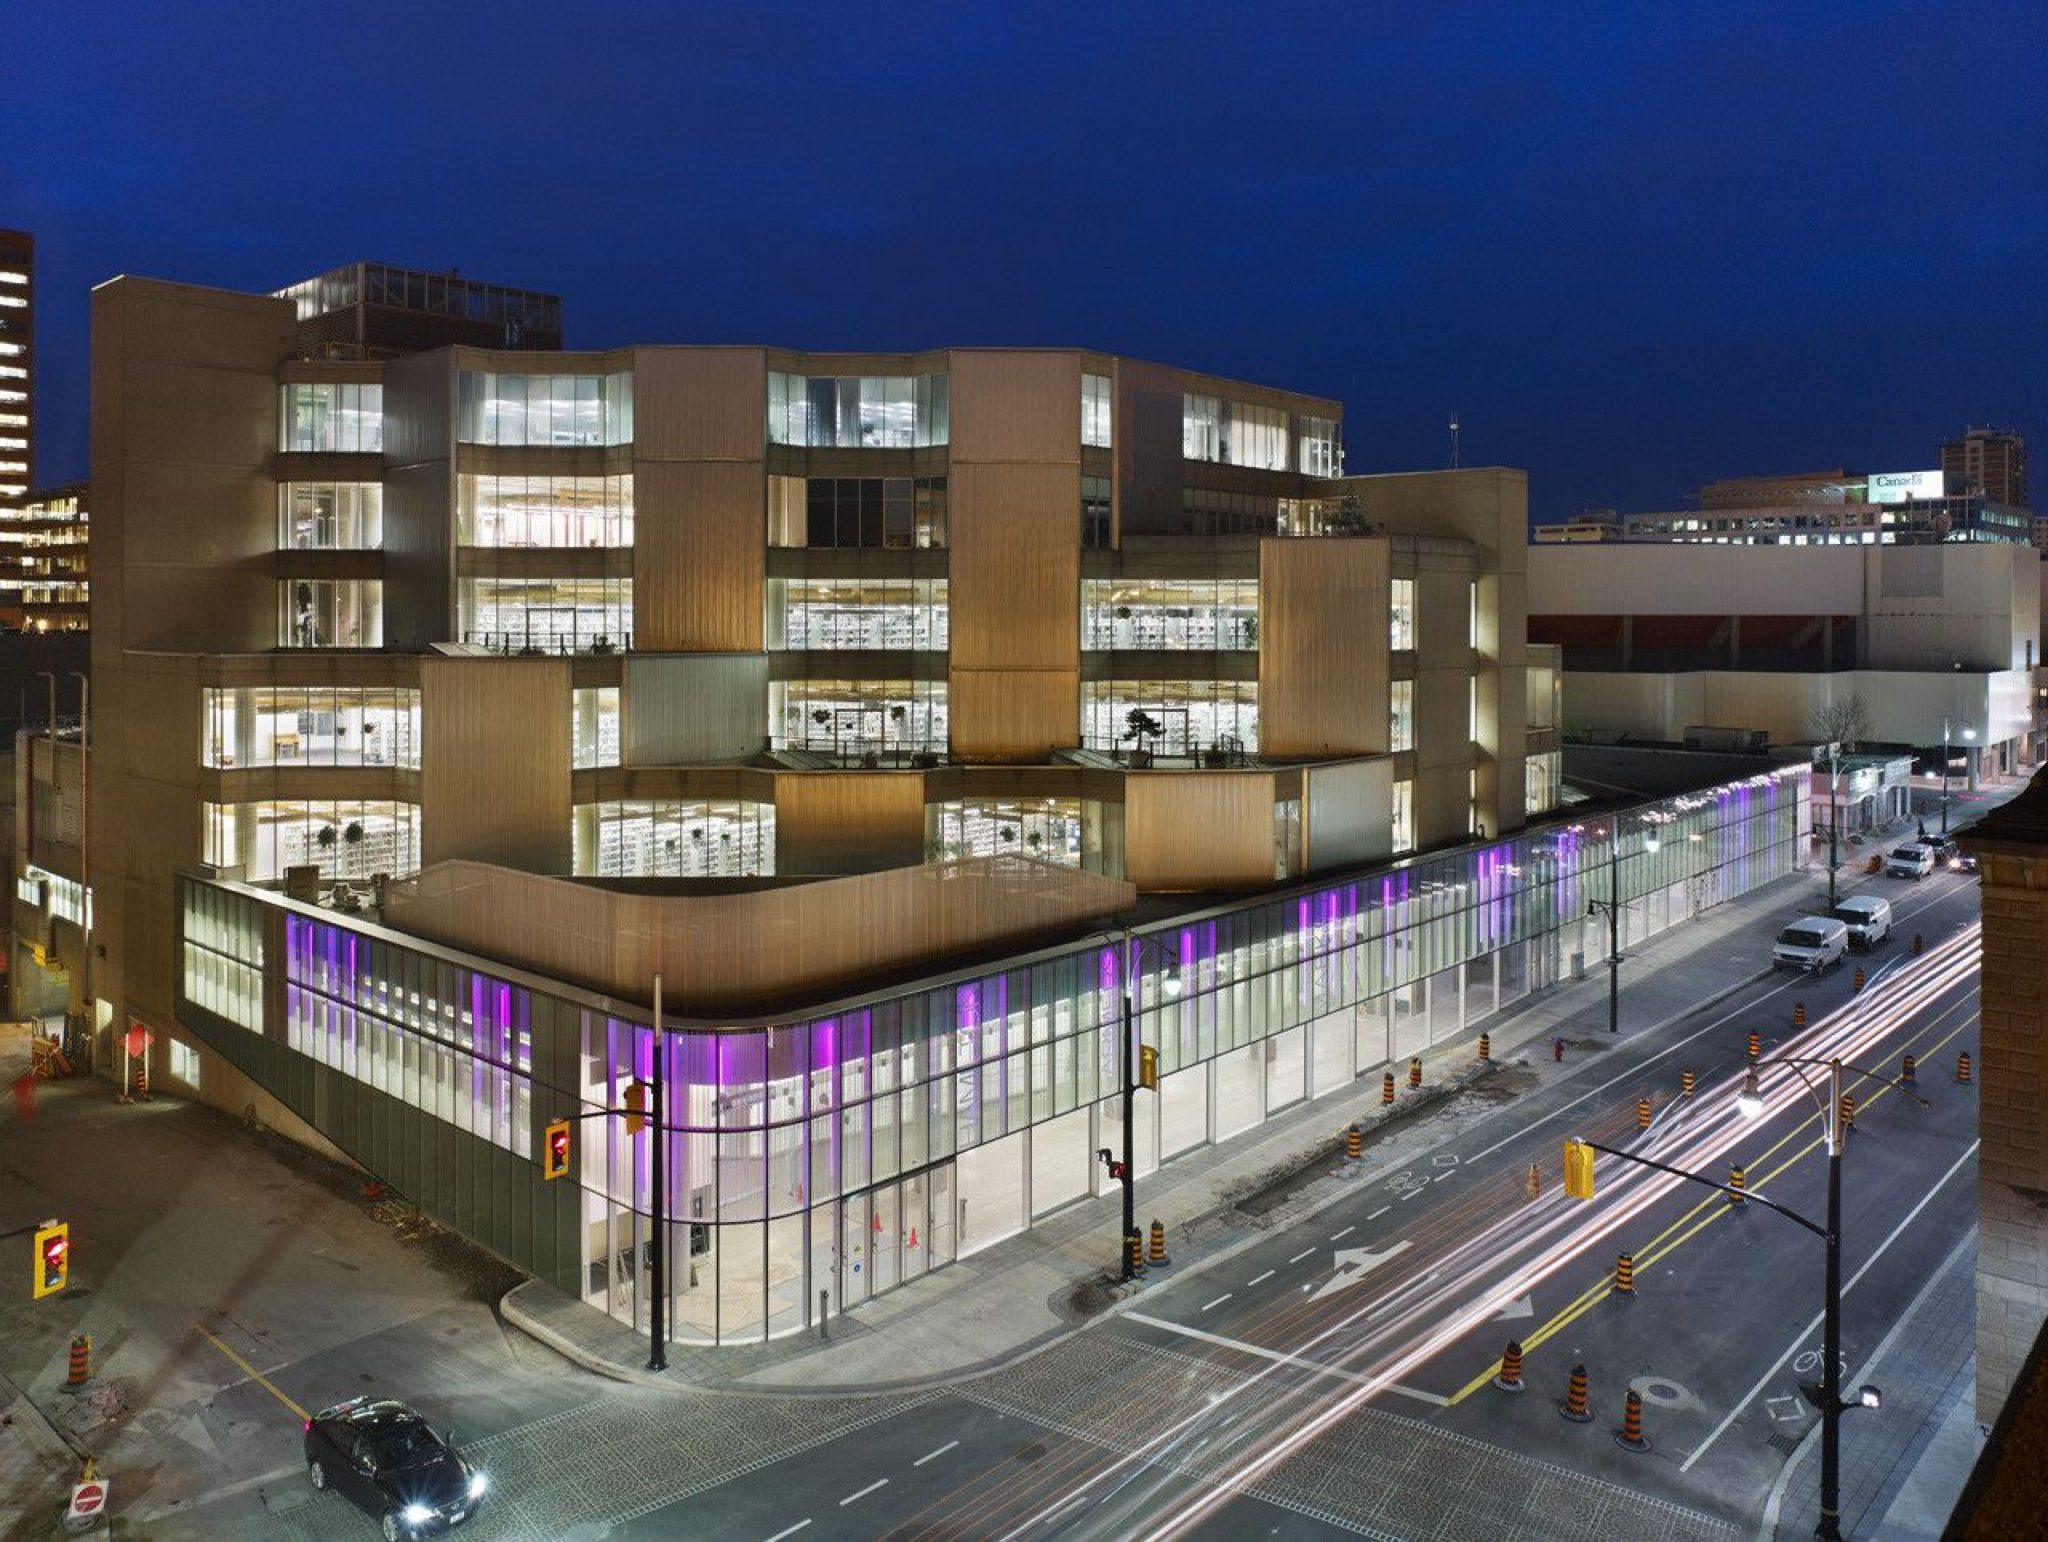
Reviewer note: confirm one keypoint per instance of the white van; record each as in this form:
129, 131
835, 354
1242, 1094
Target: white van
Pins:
1911, 860
1810, 943
1868, 918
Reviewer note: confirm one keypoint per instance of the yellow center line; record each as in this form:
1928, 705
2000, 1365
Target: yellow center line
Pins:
1692, 1222
255, 1375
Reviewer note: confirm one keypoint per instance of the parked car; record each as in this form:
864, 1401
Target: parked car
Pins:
1811, 943
1944, 848
1868, 917
383, 1455
1911, 860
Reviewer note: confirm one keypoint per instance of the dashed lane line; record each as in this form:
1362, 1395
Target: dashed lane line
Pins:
1298, 1257
791, 1531
1260, 1280
1383, 1209
1340, 1236
934, 1455
1219, 1300
863, 1493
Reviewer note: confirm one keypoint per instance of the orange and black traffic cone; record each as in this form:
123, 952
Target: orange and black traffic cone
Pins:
1386, 1089
1574, 1405
1630, 1436
1510, 1377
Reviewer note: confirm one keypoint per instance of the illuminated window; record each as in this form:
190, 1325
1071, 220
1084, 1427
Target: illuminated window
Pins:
338, 416
328, 516
344, 839
330, 613
1095, 411
855, 412
1173, 615
309, 726
594, 722
837, 614
1322, 451
550, 511
1404, 816
1401, 717
671, 838
561, 410
1402, 613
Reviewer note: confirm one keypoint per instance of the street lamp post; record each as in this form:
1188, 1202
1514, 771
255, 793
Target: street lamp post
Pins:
1128, 1169
1834, 814
1612, 905
1828, 1395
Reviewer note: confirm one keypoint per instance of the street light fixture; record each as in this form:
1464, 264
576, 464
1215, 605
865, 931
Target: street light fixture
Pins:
1827, 1396
1126, 1171
1612, 905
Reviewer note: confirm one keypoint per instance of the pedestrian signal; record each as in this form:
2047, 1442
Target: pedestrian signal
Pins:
1578, 1169
52, 1258
555, 1151
636, 1108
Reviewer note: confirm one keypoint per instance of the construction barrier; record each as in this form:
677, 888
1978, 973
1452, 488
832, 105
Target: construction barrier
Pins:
1155, 1252
1735, 1183
1485, 1049
1857, 984
1510, 1377
1136, 1246
1625, 1274
1685, 1082
1848, 1113
1919, 943
1756, 1044
1386, 1089
1630, 1436
1642, 1113
1415, 1071
1574, 1405
142, 1077
1907, 1067
1354, 1143
81, 1360
1798, 1014
1963, 1066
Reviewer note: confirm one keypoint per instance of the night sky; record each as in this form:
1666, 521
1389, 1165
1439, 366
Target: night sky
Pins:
1634, 249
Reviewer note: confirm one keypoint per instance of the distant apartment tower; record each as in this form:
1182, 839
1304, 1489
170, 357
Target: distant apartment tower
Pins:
1991, 461
43, 543
17, 357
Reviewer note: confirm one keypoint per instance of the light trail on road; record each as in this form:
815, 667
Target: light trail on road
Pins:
1482, 1253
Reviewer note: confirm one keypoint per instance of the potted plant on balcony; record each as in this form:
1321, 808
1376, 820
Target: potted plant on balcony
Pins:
1141, 727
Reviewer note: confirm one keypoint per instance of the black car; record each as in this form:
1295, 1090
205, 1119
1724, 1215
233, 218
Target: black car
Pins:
386, 1458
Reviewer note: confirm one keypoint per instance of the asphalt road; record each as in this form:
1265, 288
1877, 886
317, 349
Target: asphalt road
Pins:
1385, 1314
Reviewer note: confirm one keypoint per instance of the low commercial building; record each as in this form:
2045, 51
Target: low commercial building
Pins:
1878, 646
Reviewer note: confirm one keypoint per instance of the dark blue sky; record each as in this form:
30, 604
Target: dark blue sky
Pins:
1634, 246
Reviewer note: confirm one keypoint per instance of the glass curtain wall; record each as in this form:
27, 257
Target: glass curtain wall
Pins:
330, 516
1048, 829
547, 615
310, 726
330, 613
1193, 715
594, 726
1170, 613
829, 614
664, 838
352, 839
339, 417
546, 511
847, 1152
561, 410
857, 718
856, 412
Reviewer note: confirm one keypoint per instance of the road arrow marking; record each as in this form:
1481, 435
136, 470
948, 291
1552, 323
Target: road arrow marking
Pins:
1526, 1307
1353, 1265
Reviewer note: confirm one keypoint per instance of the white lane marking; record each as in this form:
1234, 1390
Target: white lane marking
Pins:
799, 1526
850, 1498
1220, 1300
1340, 1236
1383, 1209
1298, 1257
1260, 1351
929, 1455
1260, 1280
1409, 1195
1439, 1178
1354, 1264
1807, 1333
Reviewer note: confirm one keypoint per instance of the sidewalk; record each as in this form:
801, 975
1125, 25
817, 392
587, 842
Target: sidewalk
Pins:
1029, 1291
1901, 1470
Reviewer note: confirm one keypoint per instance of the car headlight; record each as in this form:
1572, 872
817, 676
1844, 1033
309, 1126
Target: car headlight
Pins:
477, 1484
416, 1515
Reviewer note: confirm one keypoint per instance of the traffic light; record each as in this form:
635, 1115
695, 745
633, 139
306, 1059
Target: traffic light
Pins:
1578, 1169
636, 1108
555, 1157
1148, 1067
52, 1258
